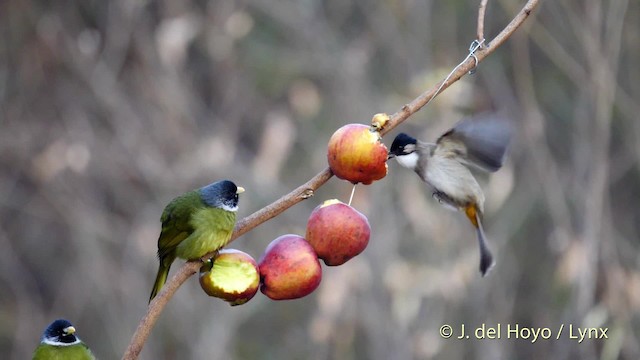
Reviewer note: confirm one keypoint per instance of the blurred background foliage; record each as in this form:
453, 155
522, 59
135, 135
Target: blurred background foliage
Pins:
108, 109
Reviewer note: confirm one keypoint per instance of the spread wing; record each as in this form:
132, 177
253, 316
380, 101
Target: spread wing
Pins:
480, 141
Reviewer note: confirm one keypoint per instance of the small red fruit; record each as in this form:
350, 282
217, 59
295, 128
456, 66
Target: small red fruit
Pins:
289, 268
356, 154
232, 276
337, 232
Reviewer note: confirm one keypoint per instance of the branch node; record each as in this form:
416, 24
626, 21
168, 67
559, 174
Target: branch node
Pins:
307, 193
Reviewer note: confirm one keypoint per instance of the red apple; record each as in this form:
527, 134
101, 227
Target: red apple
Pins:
232, 276
356, 154
289, 268
337, 232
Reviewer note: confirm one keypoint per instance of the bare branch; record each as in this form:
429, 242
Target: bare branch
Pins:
156, 306
481, 11
306, 190
303, 192
411, 108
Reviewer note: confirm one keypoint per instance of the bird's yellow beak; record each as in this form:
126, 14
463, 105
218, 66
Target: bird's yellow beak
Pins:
240, 190
69, 330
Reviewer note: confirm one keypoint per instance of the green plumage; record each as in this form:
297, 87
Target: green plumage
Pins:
191, 228
59, 342
71, 352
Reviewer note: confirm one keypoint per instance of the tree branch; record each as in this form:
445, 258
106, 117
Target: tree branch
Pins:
411, 108
481, 11
306, 190
190, 268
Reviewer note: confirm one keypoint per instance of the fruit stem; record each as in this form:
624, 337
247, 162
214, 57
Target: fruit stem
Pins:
353, 191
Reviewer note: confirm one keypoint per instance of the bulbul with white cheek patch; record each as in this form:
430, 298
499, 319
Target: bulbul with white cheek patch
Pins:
479, 142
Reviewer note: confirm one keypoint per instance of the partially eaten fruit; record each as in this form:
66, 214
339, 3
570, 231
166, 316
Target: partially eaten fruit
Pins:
232, 276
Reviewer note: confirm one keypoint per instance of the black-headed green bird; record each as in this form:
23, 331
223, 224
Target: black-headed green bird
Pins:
194, 224
59, 342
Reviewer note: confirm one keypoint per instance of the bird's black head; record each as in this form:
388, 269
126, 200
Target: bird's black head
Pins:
403, 144
60, 332
221, 194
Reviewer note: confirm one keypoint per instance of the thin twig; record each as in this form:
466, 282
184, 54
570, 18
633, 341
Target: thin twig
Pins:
422, 99
306, 190
481, 11
156, 306
475, 45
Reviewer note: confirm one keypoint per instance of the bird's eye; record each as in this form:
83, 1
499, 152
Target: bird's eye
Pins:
408, 149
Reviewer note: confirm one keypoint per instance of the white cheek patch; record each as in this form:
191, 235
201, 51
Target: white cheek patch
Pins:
229, 208
60, 343
410, 161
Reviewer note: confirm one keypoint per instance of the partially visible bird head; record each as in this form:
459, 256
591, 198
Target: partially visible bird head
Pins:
222, 194
60, 333
403, 144
404, 149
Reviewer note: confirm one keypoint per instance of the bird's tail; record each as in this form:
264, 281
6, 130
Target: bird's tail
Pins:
486, 258
161, 278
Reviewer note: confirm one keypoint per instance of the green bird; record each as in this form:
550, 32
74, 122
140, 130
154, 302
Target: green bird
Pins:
194, 224
59, 342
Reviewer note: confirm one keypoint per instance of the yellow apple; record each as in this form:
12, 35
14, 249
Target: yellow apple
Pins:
232, 276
